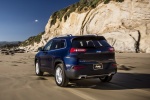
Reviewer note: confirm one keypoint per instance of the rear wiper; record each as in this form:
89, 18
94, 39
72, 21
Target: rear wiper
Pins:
89, 47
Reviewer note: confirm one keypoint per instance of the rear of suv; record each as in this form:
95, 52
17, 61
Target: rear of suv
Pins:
76, 57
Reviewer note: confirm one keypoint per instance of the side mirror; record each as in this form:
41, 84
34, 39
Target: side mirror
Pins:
40, 49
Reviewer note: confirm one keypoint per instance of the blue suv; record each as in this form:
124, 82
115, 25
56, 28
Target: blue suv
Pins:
76, 57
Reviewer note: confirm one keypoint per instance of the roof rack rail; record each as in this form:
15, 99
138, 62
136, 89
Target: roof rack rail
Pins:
62, 35
90, 35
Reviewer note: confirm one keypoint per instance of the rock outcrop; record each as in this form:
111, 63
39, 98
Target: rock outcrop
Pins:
125, 25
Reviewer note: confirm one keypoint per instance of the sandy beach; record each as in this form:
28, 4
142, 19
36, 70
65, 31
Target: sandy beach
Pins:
19, 82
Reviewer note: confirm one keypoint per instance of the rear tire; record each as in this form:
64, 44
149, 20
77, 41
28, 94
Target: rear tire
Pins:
106, 78
60, 76
38, 70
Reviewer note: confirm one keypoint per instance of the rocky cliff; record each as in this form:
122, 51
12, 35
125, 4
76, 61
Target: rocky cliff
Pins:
126, 25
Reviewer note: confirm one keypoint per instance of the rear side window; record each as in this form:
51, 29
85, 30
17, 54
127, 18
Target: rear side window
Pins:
89, 43
58, 44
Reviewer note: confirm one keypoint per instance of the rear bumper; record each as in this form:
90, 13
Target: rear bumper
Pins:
94, 76
89, 72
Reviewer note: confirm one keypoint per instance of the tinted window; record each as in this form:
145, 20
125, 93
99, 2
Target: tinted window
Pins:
57, 44
84, 43
104, 43
63, 44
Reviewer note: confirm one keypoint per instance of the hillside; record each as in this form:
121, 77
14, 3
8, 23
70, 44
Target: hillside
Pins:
124, 23
32, 41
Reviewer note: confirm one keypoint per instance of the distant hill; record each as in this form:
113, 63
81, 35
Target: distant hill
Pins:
6, 44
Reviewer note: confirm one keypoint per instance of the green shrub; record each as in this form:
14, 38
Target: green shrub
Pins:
32, 40
94, 3
119, 0
70, 10
81, 6
106, 1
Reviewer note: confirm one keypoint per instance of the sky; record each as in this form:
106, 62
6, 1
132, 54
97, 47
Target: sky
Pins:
21, 19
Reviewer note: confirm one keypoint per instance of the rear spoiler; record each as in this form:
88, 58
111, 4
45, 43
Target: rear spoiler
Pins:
89, 38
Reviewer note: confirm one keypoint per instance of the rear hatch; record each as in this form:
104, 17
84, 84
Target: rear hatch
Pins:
92, 48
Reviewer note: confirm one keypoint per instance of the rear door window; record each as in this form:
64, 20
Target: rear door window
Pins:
58, 44
48, 45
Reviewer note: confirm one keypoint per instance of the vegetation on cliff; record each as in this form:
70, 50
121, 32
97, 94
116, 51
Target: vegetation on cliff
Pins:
80, 7
32, 40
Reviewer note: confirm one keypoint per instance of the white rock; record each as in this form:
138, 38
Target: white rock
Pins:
123, 25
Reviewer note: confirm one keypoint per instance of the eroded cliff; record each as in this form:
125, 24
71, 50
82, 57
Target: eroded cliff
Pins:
126, 25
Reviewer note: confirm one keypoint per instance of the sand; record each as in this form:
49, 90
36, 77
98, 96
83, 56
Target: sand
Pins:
19, 82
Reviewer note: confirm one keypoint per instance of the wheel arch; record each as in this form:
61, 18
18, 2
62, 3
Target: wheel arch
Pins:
58, 61
35, 60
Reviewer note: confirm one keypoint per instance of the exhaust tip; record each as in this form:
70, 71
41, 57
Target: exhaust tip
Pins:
112, 73
82, 77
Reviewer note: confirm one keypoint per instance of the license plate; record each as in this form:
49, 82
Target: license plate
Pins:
97, 66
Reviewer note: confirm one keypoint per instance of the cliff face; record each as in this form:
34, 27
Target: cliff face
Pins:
125, 25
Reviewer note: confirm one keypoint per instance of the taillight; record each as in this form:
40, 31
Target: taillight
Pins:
76, 50
77, 67
114, 65
111, 49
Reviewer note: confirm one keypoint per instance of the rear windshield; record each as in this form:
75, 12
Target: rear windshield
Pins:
89, 43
